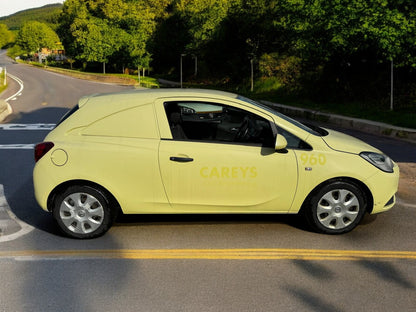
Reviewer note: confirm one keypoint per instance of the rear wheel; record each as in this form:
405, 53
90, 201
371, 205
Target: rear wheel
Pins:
336, 208
83, 212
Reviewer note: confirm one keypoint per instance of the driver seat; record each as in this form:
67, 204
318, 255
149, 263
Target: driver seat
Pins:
176, 126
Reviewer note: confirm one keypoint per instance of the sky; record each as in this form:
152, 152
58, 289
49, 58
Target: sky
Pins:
8, 7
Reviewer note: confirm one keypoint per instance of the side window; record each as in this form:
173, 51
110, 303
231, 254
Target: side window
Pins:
293, 141
210, 122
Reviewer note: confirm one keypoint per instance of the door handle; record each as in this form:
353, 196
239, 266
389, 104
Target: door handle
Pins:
181, 159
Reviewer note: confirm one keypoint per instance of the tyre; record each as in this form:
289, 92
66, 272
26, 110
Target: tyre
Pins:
83, 212
336, 208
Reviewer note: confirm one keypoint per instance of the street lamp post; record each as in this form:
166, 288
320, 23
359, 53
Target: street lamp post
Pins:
391, 84
196, 64
252, 75
182, 55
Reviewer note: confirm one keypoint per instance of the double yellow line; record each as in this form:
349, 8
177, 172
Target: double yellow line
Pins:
212, 254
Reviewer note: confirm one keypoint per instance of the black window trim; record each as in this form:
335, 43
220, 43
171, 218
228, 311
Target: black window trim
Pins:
67, 115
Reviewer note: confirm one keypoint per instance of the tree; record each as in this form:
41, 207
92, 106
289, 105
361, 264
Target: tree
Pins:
168, 42
103, 30
139, 20
33, 36
203, 17
6, 36
347, 45
320, 30
247, 32
187, 27
96, 40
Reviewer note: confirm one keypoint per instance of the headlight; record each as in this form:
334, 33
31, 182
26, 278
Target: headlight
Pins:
382, 162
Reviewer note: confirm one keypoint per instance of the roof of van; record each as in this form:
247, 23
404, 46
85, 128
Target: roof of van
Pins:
152, 94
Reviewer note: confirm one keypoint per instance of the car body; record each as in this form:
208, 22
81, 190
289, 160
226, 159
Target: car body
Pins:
177, 151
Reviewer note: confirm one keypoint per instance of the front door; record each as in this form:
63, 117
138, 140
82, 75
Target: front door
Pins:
221, 159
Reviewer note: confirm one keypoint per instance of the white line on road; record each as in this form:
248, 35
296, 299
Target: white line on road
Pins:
11, 221
20, 82
17, 146
37, 126
405, 204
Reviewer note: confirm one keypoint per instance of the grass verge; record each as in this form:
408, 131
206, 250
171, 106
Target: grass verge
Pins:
2, 85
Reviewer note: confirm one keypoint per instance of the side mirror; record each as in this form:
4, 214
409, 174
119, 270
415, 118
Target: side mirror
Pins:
281, 143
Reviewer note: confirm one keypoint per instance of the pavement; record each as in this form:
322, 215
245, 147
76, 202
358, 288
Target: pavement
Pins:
5, 110
10, 226
7, 223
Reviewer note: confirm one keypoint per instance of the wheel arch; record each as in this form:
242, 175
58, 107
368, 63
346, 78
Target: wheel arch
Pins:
61, 187
369, 201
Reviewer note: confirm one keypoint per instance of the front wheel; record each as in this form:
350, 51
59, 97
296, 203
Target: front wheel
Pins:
336, 208
83, 212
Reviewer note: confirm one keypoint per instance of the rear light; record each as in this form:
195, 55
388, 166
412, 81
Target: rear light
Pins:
41, 149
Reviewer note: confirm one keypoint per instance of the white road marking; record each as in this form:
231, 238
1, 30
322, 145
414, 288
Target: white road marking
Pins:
20, 82
37, 126
406, 204
17, 146
11, 220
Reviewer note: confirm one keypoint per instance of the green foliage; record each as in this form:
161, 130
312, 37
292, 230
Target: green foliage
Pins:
15, 51
100, 30
203, 18
47, 14
95, 39
267, 84
34, 36
325, 29
286, 69
6, 36
3, 85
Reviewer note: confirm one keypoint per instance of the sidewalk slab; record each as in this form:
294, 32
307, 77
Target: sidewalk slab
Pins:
7, 224
5, 110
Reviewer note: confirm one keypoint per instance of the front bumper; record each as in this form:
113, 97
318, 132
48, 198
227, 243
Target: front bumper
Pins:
383, 187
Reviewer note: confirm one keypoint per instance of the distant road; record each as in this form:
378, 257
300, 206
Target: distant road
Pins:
44, 90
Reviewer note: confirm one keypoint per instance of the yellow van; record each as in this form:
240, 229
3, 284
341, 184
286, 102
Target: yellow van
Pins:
177, 151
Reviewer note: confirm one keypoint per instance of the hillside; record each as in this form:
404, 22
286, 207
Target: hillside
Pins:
47, 14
